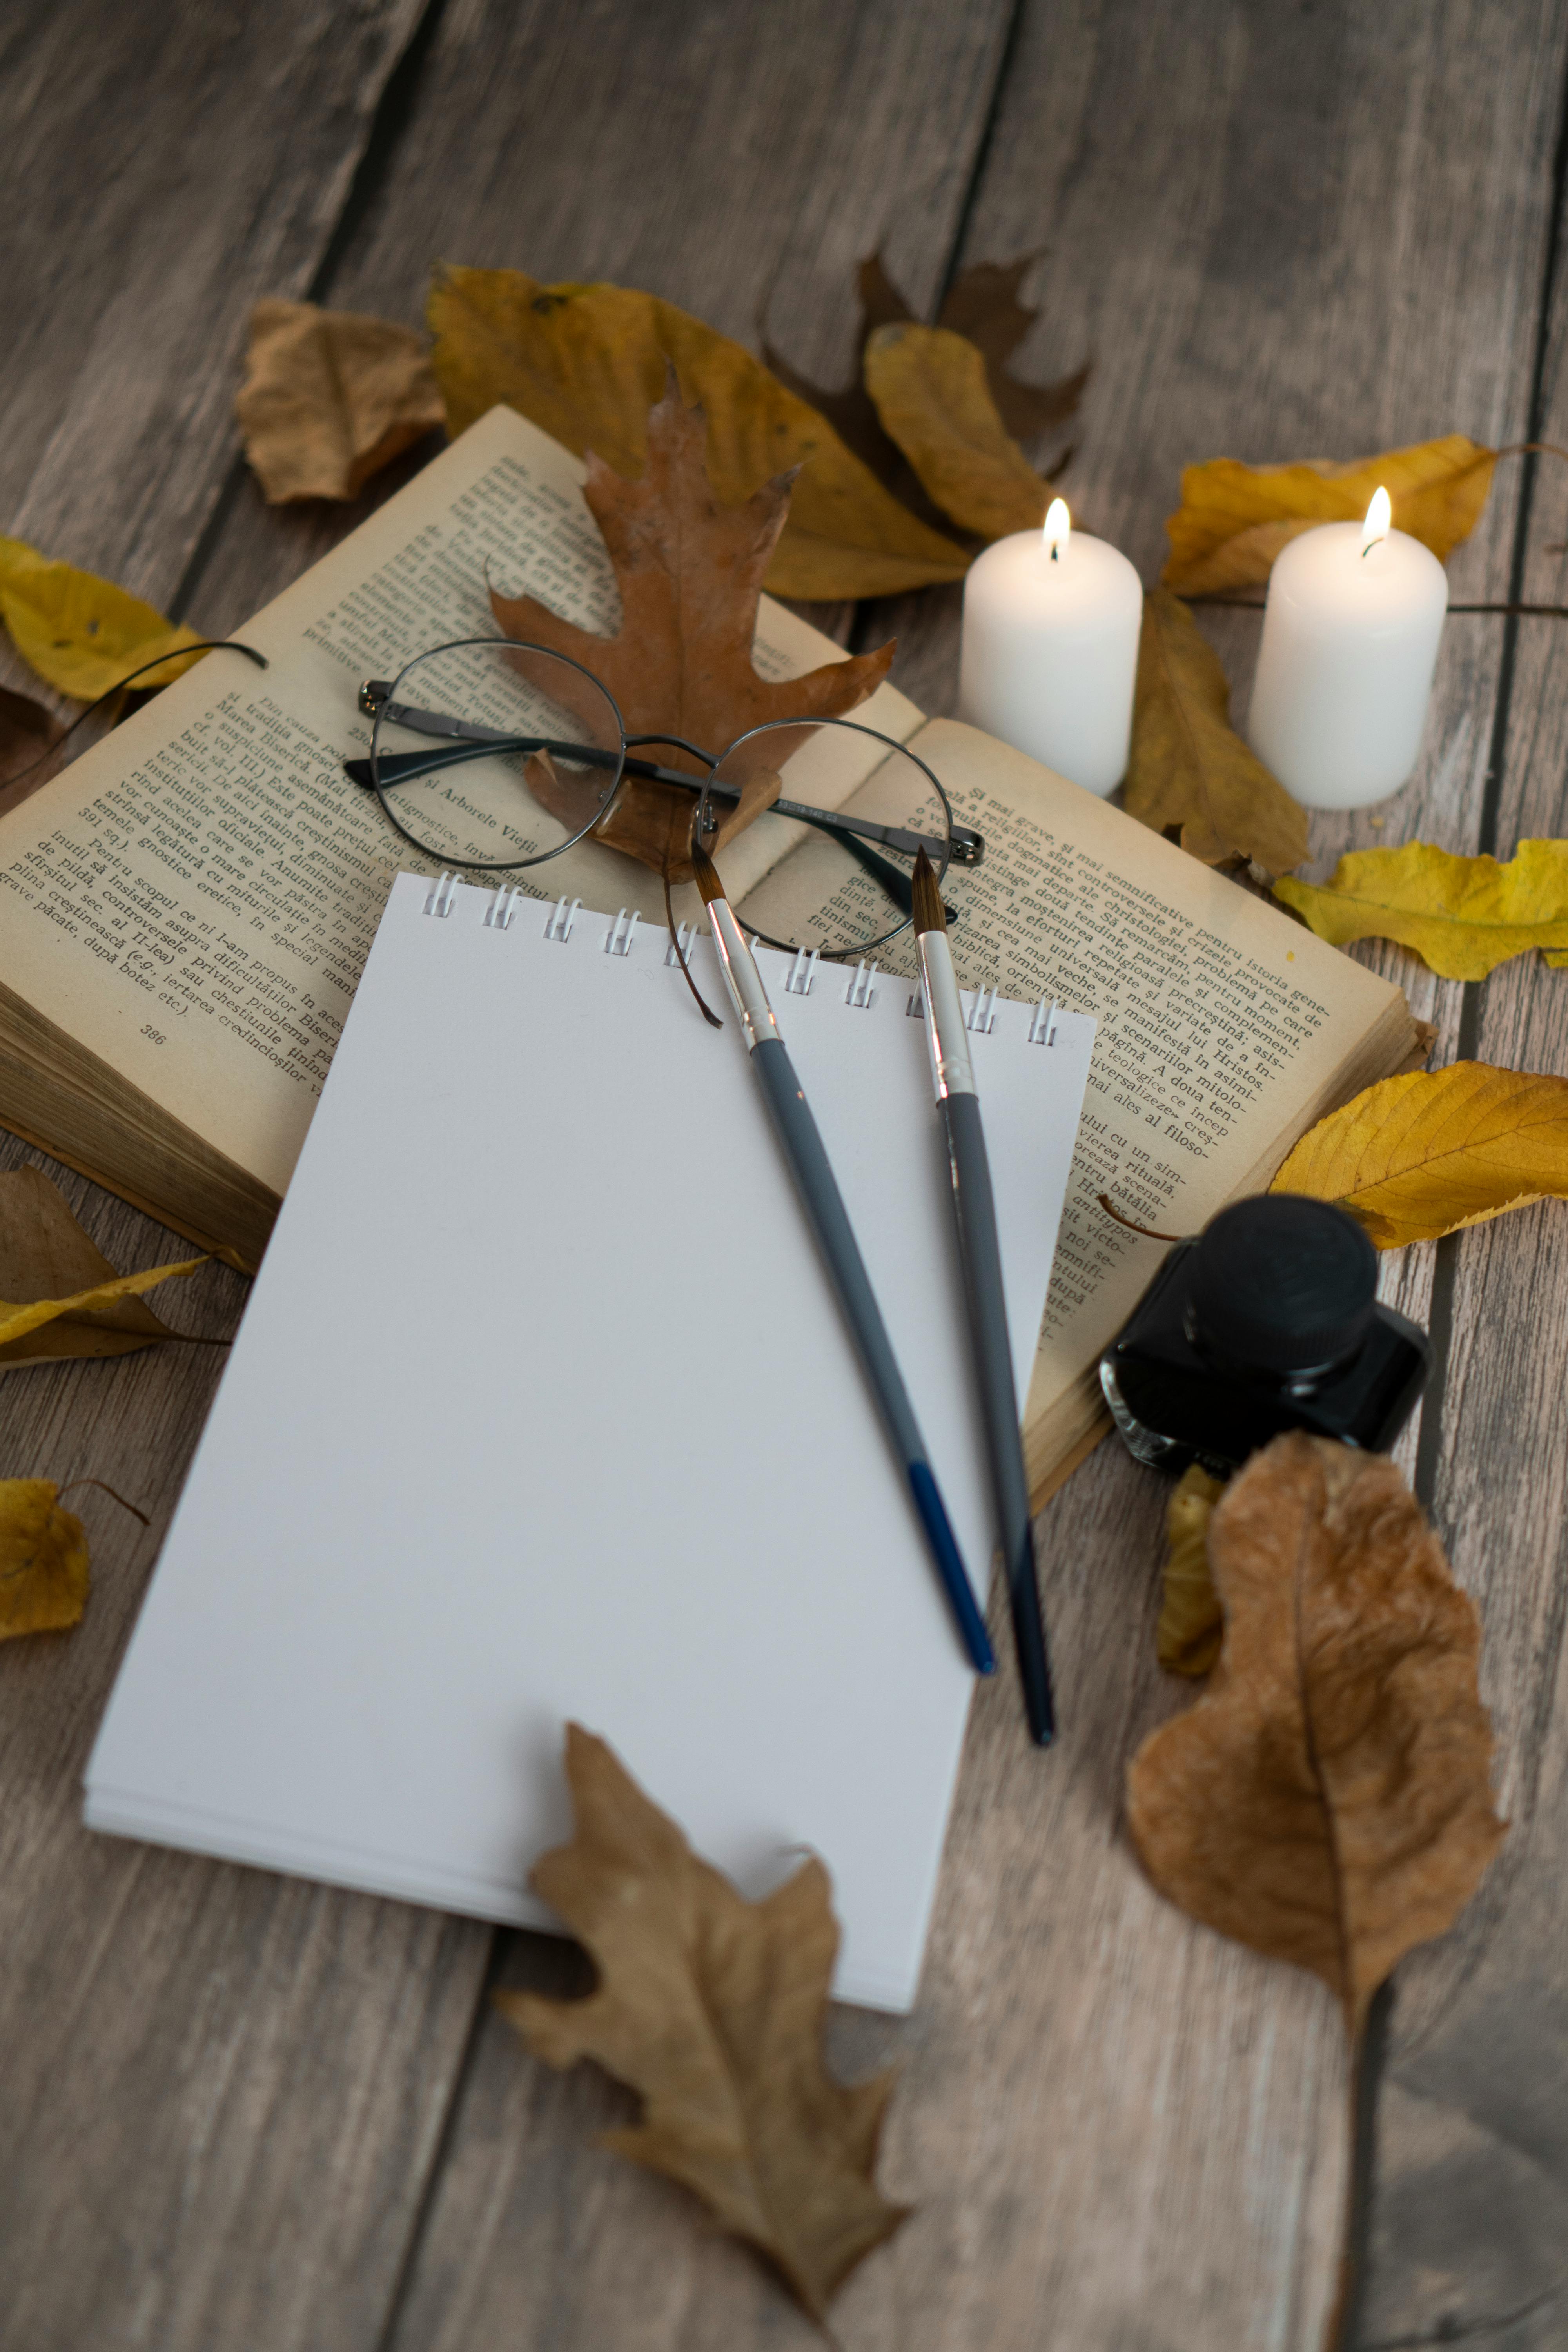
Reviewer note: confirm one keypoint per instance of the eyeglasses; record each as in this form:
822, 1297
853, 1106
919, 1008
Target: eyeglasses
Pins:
495, 755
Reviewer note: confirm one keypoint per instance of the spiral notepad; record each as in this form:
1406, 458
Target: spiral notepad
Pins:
541, 1409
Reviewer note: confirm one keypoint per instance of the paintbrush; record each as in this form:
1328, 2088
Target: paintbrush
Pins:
808, 1162
953, 1075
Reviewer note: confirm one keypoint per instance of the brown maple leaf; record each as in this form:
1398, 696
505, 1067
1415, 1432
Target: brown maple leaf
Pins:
712, 2008
689, 572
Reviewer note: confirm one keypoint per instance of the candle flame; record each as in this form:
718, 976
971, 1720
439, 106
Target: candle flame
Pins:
1059, 529
1379, 520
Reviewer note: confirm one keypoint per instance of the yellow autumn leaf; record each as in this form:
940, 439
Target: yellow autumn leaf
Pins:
15, 1322
1421, 1155
81, 634
1192, 1622
587, 364
1462, 916
43, 1559
932, 395
1187, 765
1233, 519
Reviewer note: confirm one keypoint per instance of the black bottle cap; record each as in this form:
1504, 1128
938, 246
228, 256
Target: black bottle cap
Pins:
1282, 1284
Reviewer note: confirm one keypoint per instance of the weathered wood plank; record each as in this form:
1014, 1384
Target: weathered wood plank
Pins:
1469, 2235
260, 2069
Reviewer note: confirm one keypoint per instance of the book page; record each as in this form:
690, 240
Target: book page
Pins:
1225, 1027
192, 899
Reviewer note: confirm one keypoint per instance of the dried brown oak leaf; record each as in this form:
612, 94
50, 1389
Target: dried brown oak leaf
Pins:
713, 2009
1187, 766
329, 397
689, 572
59, 1297
1235, 518
43, 1559
1327, 1800
585, 363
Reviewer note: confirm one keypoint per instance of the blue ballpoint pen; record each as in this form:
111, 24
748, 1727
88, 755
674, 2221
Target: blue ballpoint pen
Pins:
802, 1145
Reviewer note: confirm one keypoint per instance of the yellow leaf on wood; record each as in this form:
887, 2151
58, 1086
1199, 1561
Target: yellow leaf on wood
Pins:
329, 397
82, 634
43, 1559
1187, 766
1192, 1622
1421, 1155
71, 1300
587, 362
1463, 916
932, 394
1327, 1800
712, 2008
1233, 519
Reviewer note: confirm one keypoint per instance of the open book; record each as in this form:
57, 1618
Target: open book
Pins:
187, 910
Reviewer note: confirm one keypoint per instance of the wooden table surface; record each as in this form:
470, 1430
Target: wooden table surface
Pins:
241, 2110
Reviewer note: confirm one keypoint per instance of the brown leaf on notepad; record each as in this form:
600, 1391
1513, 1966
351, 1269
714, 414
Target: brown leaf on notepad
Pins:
1327, 1800
587, 362
59, 1297
329, 397
932, 394
1234, 520
1192, 1622
690, 571
81, 634
43, 1559
712, 2008
1423, 1154
1187, 766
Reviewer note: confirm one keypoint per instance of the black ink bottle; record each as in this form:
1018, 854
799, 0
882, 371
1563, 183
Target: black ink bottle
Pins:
1268, 1320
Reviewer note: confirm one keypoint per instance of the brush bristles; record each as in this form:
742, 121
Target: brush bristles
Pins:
930, 913
707, 874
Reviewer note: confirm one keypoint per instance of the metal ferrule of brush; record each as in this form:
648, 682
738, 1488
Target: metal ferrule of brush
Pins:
744, 981
952, 1071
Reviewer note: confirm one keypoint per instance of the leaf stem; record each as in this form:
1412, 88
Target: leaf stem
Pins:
135, 1510
1147, 1231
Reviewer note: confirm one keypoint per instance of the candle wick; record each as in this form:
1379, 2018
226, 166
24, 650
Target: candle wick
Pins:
1055, 554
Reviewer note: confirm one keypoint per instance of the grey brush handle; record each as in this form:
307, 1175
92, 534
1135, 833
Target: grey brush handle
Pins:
824, 1204
980, 1252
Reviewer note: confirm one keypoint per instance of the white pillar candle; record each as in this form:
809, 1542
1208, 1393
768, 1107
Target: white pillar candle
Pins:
1344, 672
1050, 649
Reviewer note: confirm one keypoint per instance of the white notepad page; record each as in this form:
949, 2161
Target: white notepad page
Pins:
542, 1410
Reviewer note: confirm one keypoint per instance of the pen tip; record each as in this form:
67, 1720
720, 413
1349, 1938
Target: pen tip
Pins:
929, 911
707, 874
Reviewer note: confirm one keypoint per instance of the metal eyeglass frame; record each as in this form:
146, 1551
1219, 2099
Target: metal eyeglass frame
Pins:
463, 740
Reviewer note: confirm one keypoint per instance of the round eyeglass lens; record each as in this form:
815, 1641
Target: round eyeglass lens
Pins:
828, 865
494, 754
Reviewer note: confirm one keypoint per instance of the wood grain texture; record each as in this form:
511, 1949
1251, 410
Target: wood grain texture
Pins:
243, 2111
1469, 2222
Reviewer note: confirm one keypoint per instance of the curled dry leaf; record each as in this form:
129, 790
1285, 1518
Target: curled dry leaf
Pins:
587, 362
689, 572
1187, 766
932, 394
43, 1559
81, 634
852, 413
69, 1300
1327, 1800
329, 397
1192, 1622
1462, 916
713, 2009
1233, 519
1420, 1155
